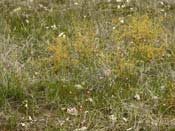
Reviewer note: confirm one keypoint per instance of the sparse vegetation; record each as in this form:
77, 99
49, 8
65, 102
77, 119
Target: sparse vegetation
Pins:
87, 65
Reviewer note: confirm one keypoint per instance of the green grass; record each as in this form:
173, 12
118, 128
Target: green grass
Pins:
113, 70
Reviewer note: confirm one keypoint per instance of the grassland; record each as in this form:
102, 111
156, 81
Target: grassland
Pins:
77, 65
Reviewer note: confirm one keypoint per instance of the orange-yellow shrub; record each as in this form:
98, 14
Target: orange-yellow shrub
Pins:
142, 37
142, 29
60, 51
80, 49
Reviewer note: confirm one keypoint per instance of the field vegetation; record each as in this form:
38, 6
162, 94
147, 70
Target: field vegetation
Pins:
87, 65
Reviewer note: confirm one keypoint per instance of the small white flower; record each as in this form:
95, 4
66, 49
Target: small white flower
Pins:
131, 8
155, 98
169, 55
41, 6
162, 87
67, 119
64, 36
113, 118
76, 3
101, 77
54, 27
47, 27
36, 73
17, 10
161, 2
124, 119
137, 97
118, 6
78, 86
107, 72
123, 6
27, 21
61, 34
30, 118
23, 124
113, 27
162, 10
61, 122
121, 20
119, 0
72, 111
81, 129
129, 129
26, 105
90, 99
128, 1
131, 42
